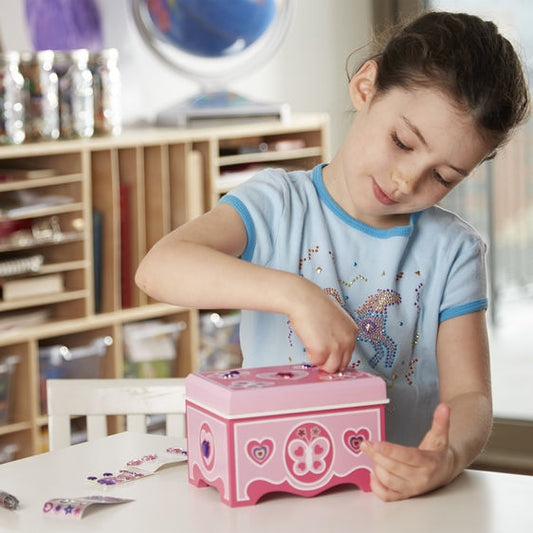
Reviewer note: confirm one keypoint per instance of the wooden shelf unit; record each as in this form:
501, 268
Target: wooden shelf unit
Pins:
167, 176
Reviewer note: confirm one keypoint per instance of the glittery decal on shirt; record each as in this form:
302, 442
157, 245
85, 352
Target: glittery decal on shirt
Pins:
353, 280
411, 372
310, 251
334, 293
372, 322
418, 294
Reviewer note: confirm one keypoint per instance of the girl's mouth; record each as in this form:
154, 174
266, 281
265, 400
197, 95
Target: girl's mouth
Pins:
381, 196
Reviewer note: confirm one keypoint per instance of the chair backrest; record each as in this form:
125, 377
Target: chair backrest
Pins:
97, 398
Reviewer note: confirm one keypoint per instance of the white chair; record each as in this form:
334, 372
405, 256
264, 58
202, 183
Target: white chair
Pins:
97, 398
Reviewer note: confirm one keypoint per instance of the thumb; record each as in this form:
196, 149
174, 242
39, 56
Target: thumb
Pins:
437, 437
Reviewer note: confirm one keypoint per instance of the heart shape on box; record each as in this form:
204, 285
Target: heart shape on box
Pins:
353, 439
260, 451
207, 446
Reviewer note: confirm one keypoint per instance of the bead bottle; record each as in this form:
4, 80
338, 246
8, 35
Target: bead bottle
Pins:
106, 87
42, 95
11, 99
76, 108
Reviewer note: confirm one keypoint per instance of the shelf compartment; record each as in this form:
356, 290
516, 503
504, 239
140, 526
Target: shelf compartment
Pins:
39, 212
105, 198
64, 163
264, 157
12, 427
20, 402
156, 193
49, 299
18, 443
132, 221
31, 244
20, 184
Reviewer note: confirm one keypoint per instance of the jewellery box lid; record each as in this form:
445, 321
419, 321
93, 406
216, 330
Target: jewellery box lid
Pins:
282, 389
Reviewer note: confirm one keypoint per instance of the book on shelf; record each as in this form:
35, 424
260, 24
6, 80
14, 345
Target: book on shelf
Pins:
16, 289
98, 235
126, 275
11, 321
11, 174
26, 203
18, 265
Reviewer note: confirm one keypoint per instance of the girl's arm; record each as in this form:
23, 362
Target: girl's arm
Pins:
465, 385
461, 423
198, 265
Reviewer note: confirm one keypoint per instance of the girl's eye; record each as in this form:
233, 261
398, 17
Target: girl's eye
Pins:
441, 180
399, 143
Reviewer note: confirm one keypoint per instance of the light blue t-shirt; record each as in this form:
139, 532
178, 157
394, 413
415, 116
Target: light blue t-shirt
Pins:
398, 284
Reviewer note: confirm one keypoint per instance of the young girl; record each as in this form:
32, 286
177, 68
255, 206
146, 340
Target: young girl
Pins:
352, 263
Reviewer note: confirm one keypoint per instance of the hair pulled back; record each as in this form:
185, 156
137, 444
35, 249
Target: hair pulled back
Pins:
468, 59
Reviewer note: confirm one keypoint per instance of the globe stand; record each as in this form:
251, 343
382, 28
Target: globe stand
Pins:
221, 107
214, 42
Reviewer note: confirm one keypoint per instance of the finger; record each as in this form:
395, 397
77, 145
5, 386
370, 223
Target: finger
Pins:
390, 455
438, 436
333, 364
392, 473
337, 363
381, 491
316, 358
346, 361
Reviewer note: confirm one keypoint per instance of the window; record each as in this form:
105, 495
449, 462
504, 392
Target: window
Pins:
498, 200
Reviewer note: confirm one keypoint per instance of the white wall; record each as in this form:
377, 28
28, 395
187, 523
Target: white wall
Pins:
307, 71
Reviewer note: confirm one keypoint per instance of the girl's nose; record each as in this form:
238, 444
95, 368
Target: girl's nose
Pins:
405, 182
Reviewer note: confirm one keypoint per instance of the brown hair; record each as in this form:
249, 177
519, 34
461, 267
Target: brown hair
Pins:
467, 58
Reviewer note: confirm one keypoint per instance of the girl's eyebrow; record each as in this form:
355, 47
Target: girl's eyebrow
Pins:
418, 133
415, 130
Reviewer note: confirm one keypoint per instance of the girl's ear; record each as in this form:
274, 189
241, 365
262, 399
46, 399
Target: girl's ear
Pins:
362, 85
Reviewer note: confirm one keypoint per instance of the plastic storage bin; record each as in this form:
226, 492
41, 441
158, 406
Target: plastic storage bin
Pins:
8, 452
219, 341
150, 348
61, 361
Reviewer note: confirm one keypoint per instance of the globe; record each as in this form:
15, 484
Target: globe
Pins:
214, 42
212, 28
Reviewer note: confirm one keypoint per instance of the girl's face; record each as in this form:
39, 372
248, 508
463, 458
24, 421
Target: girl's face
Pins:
405, 151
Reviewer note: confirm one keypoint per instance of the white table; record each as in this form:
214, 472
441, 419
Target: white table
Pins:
477, 502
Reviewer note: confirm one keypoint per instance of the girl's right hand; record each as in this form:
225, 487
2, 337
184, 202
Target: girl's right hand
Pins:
326, 330
197, 266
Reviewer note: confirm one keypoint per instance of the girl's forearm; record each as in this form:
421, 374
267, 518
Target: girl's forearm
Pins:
194, 275
470, 426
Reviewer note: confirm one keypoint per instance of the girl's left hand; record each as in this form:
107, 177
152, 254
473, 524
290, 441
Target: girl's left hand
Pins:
401, 472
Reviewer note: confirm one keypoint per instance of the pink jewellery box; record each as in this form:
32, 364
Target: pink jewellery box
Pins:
291, 428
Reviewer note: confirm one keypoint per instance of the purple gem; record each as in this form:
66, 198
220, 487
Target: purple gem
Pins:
206, 448
107, 481
231, 374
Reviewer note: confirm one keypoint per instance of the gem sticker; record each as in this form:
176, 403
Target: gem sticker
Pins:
260, 451
75, 507
109, 478
152, 462
207, 446
353, 439
141, 466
